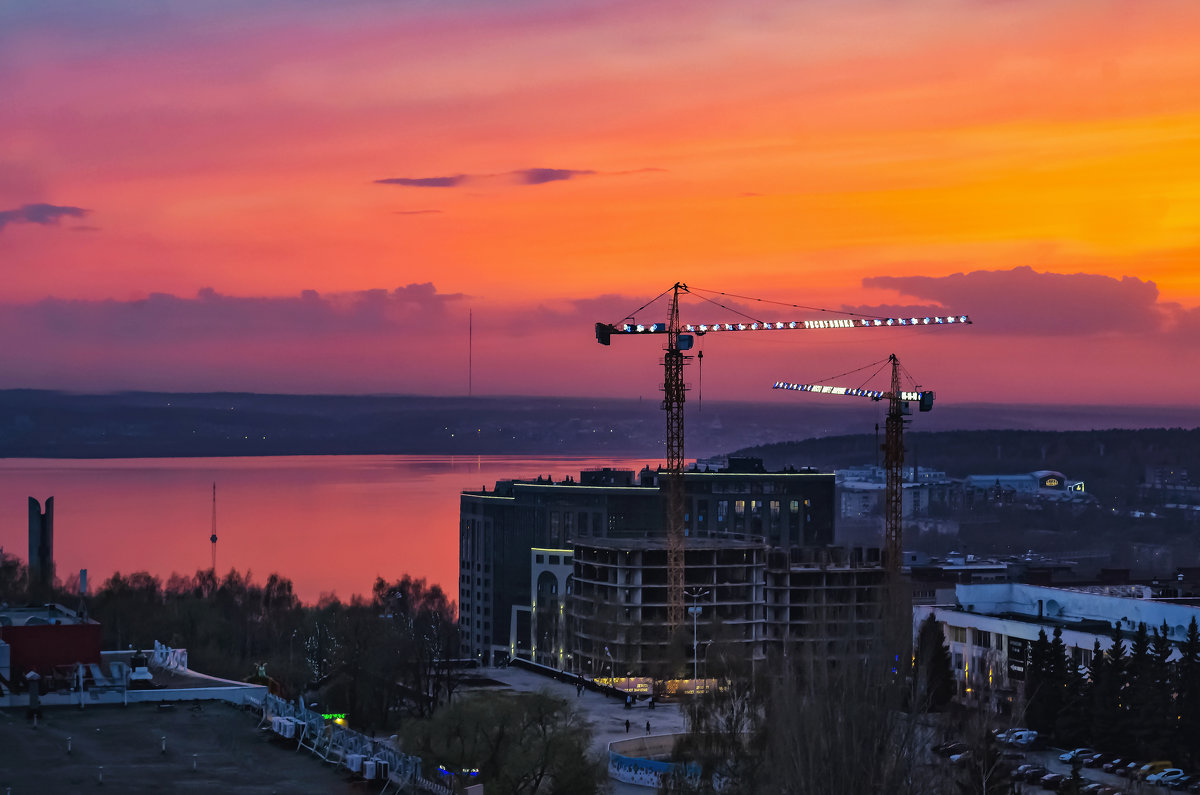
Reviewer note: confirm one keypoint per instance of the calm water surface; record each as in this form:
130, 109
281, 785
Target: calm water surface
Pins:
330, 523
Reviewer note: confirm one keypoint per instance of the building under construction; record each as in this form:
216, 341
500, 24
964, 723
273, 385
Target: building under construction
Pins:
574, 574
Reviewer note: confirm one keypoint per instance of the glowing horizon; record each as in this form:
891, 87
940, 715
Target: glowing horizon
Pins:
311, 198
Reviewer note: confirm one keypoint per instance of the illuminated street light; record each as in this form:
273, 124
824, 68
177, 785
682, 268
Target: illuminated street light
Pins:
696, 594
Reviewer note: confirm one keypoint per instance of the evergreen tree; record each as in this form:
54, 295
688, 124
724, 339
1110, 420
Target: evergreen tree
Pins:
1038, 684
1058, 666
1162, 708
1098, 685
1072, 726
1187, 697
1140, 692
1109, 722
933, 681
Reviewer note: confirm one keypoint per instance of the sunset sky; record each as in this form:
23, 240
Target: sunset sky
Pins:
315, 196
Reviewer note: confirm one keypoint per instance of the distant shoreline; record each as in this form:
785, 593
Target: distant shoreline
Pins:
60, 425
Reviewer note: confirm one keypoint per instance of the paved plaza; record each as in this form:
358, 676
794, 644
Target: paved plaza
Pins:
607, 714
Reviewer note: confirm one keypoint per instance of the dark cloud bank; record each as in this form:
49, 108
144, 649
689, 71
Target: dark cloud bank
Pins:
1023, 301
42, 214
523, 176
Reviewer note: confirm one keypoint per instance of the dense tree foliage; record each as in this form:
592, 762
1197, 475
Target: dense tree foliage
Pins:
806, 726
933, 676
520, 744
1133, 700
375, 659
13, 575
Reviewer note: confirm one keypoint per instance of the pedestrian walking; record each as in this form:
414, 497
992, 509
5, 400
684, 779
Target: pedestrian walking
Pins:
647, 727
627, 725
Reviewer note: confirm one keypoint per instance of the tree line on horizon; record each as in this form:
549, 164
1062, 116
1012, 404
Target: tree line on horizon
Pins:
1111, 462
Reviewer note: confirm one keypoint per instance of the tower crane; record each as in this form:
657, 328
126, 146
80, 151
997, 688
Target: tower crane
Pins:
680, 338
893, 448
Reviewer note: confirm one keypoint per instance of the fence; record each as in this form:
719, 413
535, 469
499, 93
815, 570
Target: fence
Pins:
644, 771
403, 769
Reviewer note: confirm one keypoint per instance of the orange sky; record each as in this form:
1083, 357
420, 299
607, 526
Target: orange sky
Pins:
546, 154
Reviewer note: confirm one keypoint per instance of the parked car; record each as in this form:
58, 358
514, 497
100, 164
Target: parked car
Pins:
1164, 776
1052, 781
1095, 760
1183, 782
1148, 769
1023, 739
1005, 735
1019, 773
1078, 753
1129, 769
1114, 764
949, 748
1033, 773
1092, 789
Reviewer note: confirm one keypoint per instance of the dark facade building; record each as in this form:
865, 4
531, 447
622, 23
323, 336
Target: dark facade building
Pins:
573, 573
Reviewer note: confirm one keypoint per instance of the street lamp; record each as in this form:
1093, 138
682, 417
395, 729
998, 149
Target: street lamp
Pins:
697, 594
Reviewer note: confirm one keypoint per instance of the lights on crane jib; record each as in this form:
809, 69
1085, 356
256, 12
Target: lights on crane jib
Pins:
864, 322
873, 394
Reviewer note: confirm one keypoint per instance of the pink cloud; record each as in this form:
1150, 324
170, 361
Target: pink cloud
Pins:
1022, 301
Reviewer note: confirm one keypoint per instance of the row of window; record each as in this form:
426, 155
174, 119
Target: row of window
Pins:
979, 637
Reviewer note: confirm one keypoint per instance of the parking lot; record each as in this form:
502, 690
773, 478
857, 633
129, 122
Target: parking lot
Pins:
1048, 758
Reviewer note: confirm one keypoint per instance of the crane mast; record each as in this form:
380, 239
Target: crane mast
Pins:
893, 462
674, 393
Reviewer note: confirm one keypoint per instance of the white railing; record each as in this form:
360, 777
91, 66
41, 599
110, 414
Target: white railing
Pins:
169, 659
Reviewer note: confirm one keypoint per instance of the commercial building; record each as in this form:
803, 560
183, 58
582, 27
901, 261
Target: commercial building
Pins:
573, 573
1042, 486
990, 627
862, 491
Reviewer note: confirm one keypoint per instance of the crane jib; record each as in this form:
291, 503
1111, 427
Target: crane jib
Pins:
605, 331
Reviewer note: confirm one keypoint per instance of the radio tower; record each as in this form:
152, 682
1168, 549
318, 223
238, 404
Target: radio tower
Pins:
213, 537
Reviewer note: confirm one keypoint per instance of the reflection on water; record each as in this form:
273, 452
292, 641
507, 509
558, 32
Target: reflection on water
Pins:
330, 523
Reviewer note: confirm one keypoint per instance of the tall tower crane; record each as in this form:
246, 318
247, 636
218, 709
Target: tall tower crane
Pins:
893, 448
680, 338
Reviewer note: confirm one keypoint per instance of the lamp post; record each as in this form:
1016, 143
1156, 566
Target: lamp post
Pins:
696, 594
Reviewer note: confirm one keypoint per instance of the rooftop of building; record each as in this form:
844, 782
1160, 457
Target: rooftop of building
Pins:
40, 615
726, 542
229, 752
1081, 607
609, 477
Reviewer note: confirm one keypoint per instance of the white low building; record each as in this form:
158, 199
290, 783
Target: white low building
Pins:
992, 626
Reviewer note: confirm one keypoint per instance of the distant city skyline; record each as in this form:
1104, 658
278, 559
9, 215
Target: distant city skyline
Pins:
309, 197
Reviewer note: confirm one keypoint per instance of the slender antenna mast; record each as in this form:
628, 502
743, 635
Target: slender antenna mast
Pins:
213, 538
